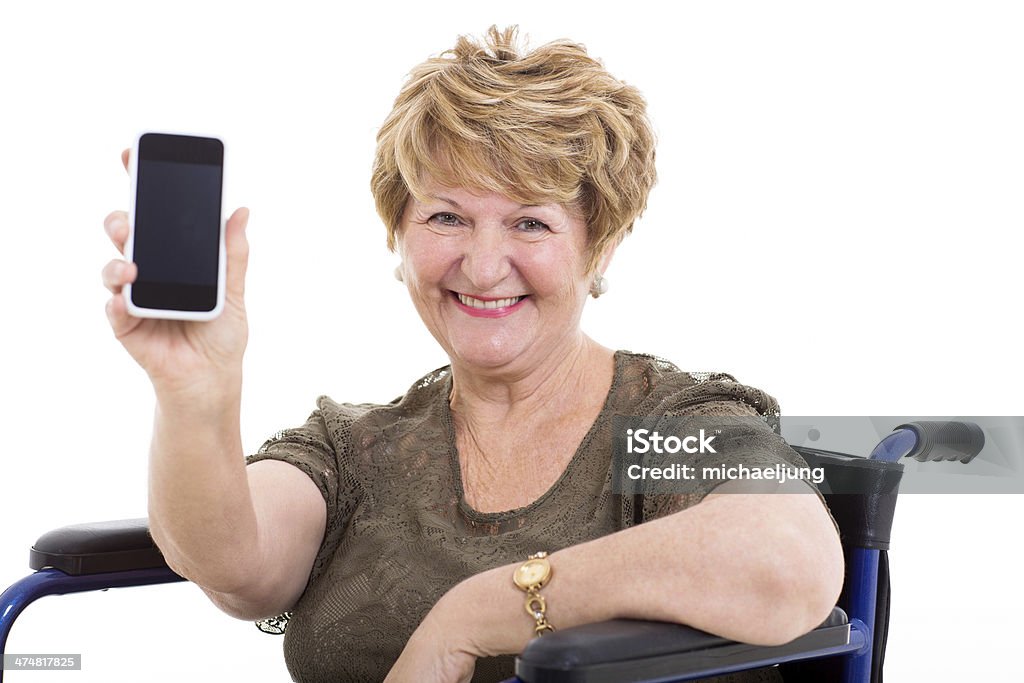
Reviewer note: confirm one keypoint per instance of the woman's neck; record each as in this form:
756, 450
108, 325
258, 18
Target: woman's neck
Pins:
515, 436
552, 387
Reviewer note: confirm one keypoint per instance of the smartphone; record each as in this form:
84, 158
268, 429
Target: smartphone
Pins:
176, 235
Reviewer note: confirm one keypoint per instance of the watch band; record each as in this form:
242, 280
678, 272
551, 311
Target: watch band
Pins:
530, 577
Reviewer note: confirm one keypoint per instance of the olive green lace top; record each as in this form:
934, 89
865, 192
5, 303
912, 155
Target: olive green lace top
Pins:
399, 532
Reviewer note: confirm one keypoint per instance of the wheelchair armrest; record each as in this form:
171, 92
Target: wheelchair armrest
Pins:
97, 547
629, 650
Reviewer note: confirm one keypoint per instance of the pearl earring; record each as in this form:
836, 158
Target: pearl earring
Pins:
599, 287
398, 273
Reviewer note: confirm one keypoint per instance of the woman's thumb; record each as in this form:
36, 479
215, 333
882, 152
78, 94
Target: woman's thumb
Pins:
237, 253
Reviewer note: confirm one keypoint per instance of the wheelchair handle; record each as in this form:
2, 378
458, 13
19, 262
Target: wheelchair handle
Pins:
932, 441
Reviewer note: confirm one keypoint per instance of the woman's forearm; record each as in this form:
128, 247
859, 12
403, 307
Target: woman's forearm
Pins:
200, 508
755, 568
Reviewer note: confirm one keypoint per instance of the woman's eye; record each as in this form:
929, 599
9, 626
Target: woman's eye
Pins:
445, 218
532, 225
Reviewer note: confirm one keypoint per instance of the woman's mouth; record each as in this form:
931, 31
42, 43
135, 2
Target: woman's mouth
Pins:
489, 307
489, 303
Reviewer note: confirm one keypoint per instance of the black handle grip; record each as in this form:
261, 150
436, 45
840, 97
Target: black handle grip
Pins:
942, 440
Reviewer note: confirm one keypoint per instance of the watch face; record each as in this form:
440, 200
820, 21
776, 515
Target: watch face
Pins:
532, 573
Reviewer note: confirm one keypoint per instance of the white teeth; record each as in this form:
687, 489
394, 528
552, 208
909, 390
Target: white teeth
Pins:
497, 303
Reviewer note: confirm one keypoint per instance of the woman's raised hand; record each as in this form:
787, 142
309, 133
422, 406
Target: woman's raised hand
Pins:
179, 355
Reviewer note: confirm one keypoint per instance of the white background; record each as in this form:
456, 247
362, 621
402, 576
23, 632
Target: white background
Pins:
836, 221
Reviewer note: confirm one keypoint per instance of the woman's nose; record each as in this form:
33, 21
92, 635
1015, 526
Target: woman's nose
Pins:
486, 260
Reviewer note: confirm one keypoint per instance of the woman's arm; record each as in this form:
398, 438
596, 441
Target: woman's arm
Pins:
758, 568
246, 535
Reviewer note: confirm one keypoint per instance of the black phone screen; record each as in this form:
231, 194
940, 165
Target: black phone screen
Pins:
177, 222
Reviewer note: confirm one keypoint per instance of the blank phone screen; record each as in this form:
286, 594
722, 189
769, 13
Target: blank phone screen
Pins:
177, 222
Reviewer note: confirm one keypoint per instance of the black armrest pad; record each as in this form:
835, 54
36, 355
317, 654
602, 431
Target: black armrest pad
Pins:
97, 547
861, 494
625, 649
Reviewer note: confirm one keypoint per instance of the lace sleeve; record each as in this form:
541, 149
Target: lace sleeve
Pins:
761, 444
313, 449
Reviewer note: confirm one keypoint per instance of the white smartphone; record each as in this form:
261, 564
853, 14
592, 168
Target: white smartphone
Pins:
176, 233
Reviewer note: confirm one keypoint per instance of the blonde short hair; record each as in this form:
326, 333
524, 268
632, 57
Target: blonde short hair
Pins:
546, 126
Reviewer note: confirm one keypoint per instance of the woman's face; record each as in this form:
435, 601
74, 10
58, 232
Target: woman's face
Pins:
499, 285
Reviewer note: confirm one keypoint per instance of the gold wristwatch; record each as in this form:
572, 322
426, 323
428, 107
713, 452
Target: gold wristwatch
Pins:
531, 576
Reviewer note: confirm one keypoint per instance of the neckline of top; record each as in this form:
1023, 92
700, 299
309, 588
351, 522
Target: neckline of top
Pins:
619, 358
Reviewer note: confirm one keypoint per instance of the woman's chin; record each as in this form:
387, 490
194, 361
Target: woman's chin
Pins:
489, 354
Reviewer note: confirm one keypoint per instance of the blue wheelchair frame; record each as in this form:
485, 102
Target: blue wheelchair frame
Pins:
861, 493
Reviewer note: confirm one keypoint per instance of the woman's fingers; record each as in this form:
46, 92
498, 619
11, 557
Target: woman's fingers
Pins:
120, 322
124, 158
116, 225
117, 273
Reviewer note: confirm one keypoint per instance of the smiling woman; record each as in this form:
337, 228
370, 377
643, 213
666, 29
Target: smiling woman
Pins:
385, 538
463, 254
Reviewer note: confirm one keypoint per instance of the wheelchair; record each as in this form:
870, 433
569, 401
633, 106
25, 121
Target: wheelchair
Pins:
848, 647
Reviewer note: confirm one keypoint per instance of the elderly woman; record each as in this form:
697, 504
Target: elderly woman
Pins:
386, 537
